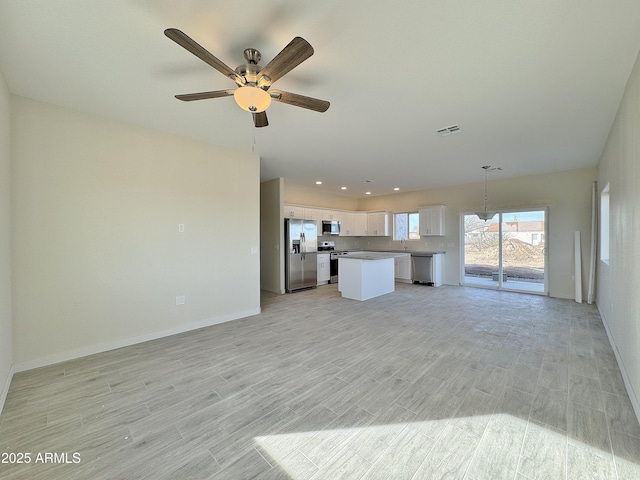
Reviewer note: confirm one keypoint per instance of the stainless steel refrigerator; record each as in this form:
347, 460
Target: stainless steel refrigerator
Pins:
301, 250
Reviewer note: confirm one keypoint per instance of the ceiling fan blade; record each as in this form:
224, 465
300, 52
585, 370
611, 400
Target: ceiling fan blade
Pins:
260, 119
289, 57
299, 100
188, 97
203, 54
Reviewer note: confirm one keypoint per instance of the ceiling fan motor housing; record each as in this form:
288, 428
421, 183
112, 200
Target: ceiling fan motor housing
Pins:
250, 72
252, 55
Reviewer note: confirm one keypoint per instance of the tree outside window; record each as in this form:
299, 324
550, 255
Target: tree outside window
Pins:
406, 226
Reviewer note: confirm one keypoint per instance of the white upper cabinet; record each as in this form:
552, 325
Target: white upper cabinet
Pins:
314, 214
331, 215
361, 224
294, 211
369, 224
378, 224
305, 213
432, 220
347, 224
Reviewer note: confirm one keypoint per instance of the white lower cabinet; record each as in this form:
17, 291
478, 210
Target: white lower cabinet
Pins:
324, 268
403, 269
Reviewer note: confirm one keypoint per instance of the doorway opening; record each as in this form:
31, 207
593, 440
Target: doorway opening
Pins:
507, 252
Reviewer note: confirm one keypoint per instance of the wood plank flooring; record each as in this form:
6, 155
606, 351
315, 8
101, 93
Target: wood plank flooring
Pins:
423, 383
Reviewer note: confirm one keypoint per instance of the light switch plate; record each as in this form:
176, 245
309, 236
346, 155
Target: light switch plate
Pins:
180, 300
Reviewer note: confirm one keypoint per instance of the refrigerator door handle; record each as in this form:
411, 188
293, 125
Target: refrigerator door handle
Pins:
301, 245
303, 249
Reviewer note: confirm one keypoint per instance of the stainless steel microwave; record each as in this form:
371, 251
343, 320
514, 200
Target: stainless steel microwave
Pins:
330, 227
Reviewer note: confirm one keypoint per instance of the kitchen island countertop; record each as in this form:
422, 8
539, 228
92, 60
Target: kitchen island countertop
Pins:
410, 252
415, 252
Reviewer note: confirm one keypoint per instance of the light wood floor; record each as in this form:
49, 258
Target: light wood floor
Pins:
424, 383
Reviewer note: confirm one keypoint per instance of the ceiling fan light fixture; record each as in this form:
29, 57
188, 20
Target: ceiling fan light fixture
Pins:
252, 99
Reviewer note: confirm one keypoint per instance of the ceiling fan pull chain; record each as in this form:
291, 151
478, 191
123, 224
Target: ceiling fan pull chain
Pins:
253, 146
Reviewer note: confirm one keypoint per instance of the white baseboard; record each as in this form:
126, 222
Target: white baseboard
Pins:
5, 387
104, 347
625, 377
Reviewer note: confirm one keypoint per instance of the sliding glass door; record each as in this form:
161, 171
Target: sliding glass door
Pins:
507, 252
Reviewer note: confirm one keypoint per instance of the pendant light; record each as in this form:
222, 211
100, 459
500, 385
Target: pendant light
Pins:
485, 214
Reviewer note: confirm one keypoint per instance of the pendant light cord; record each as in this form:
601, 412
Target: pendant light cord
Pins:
486, 172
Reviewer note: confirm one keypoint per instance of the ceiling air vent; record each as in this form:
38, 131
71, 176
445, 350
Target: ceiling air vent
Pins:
443, 132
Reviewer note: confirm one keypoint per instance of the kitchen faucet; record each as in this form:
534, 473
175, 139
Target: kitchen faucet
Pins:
403, 242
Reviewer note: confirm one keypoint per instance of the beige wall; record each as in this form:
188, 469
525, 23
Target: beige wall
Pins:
6, 336
619, 281
309, 195
98, 260
271, 236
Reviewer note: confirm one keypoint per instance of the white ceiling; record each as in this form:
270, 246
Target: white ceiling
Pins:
534, 85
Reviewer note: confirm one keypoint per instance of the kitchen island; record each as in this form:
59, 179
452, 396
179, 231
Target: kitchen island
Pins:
366, 275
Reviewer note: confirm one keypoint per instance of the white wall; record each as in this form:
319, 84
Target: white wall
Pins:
619, 281
98, 260
6, 336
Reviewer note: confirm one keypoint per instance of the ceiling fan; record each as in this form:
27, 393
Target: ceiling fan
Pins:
253, 92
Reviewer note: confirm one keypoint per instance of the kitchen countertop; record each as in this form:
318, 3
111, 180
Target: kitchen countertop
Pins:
371, 255
426, 254
415, 253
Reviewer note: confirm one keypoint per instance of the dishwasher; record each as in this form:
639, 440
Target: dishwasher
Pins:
422, 269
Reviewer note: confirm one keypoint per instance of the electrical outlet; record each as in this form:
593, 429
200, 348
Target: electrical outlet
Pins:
181, 228
254, 250
180, 300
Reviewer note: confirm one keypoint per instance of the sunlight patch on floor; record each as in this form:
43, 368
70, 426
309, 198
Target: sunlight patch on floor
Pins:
485, 446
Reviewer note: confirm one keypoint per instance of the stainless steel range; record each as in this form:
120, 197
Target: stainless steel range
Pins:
333, 259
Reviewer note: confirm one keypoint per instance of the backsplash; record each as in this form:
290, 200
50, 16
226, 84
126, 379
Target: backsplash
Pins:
428, 244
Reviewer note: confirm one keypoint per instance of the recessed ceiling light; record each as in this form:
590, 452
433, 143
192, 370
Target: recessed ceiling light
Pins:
318, 182
367, 193
343, 188
396, 188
